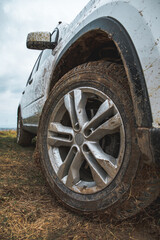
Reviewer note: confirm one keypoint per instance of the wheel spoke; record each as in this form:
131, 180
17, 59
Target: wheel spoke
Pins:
65, 166
107, 162
60, 135
73, 174
111, 126
80, 103
104, 111
99, 175
69, 104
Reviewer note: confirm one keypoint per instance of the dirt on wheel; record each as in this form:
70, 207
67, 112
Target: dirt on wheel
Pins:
28, 209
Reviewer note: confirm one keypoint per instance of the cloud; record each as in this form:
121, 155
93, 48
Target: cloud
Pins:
17, 18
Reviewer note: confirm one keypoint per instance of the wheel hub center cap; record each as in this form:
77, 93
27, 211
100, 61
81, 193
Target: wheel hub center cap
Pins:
79, 139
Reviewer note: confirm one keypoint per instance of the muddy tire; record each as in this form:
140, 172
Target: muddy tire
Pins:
23, 138
87, 141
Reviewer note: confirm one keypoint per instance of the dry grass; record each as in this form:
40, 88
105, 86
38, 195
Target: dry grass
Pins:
28, 210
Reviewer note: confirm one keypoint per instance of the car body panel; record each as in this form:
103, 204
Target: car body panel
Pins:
35, 93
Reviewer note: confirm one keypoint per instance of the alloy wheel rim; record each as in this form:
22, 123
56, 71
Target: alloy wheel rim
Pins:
86, 140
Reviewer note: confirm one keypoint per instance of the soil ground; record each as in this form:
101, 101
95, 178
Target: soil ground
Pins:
28, 209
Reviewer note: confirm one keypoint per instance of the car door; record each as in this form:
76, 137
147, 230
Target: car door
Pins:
34, 94
28, 93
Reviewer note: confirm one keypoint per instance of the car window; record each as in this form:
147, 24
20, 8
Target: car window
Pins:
45, 54
54, 35
35, 68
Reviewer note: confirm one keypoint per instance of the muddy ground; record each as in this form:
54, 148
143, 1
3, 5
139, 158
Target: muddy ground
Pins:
28, 210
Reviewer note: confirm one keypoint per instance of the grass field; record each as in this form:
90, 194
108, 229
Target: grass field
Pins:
28, 210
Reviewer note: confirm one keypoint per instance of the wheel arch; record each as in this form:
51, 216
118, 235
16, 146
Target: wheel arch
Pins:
106, 38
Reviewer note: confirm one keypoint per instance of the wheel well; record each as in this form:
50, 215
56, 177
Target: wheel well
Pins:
92, 46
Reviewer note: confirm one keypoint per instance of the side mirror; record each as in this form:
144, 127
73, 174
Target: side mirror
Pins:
40, 41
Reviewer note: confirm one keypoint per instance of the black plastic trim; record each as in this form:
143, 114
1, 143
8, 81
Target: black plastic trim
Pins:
155, 140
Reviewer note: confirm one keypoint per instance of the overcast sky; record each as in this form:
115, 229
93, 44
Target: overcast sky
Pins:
17, 19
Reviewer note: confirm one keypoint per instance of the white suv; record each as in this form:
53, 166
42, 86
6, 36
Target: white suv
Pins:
93, 98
